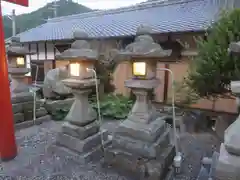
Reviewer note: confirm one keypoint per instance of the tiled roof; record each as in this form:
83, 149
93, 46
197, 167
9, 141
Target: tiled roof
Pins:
163, 17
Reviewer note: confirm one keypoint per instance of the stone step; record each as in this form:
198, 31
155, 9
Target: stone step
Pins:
142, 148
141, 168
94, 155
80, 132
18, 117
28, 115
22, 97
141, 131
78, 145
17, 108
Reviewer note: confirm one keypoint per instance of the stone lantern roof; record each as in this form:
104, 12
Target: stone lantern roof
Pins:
234, 48
16, 48
143, 46
80, 49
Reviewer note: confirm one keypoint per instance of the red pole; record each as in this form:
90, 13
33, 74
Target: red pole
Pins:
8, 148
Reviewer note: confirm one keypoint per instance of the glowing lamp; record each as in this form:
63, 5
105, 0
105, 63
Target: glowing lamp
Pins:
74, 69
20, 61
139, 69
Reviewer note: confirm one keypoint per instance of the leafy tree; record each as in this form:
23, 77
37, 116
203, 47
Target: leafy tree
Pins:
214, 68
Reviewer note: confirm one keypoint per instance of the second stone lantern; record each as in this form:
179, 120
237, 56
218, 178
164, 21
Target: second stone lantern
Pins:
17, 66
141, 144
81, 131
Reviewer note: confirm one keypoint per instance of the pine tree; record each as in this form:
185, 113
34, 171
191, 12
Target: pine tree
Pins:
214, 68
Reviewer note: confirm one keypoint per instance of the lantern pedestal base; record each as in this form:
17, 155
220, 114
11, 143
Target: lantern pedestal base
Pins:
84, 140
141, 144
80, 133
143, 150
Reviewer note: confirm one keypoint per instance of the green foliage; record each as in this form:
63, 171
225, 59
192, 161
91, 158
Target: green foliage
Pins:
184, 95
60, 114
213, 69
111, 106
38, 17
104, 73
114, 106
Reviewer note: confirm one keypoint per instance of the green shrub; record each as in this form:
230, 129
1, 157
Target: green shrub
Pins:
111, 106
114, 106
214, 68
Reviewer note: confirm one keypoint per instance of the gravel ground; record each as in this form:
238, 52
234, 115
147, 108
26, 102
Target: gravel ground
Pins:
34, 160
194, 148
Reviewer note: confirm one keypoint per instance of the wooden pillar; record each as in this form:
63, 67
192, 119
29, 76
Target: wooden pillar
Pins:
166, 82
8, 148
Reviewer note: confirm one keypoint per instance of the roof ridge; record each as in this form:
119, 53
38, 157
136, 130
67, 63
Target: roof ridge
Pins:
139, 6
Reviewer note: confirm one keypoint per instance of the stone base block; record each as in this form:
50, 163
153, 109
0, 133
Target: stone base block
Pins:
28, 115
144, 117
80, 132
146, 132
52, 106
94, 155
228, 166
22, 97
142, 148
29, 105
78, 145
140, 168
18, 117
17, 108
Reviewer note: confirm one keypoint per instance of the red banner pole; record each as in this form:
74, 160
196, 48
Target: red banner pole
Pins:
8, 148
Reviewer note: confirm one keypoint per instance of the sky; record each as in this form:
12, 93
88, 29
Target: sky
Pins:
93, 4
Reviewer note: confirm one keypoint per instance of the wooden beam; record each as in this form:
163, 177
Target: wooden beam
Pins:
166, 82
37, 48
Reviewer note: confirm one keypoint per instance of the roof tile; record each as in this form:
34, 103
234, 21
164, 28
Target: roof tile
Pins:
177, 16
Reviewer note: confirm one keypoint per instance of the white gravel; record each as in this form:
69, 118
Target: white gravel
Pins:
34, 161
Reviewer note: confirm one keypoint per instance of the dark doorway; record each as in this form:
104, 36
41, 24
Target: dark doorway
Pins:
41, 74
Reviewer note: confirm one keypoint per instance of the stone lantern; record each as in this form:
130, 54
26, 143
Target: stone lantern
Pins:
228, 165
141, 143
21, 97
17, 66
81, 131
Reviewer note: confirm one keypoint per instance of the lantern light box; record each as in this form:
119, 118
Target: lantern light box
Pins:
139, 69
74, 69
20, 61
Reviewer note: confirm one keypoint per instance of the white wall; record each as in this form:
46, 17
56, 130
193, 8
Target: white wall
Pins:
40, 54
41, 51
33, 48
28, 61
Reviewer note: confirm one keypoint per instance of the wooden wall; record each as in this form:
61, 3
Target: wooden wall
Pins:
123, 72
